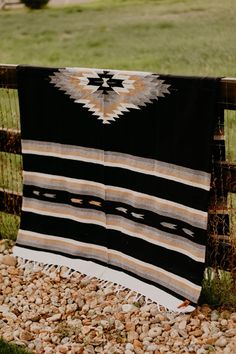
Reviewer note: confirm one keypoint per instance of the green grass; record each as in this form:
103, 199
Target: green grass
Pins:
166, 36
218, 288
7, 348
9, 225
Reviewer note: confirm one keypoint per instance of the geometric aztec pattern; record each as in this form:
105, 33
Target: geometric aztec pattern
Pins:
108, 93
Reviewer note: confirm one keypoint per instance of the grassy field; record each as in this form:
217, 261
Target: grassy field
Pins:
167, 36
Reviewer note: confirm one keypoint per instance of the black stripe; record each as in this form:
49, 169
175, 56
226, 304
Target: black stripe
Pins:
149, 218
151, 185
171, 261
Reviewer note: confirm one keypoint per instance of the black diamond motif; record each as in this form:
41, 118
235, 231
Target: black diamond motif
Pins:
105, 82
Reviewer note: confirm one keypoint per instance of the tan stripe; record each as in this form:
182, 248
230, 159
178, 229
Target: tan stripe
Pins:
158, 275
113, 222
148, 166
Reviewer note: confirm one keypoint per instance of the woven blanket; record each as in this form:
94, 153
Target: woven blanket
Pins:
116, 175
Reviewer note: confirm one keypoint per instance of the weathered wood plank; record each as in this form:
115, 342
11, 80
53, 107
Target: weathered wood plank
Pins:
10, 202
228, 93
8, 76
10, 141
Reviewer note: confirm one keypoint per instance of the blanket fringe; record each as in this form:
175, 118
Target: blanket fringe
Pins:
135, 291
50, 270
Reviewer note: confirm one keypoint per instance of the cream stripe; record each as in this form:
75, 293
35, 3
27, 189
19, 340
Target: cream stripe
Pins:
174, 282
118, 223
111, 193
147, 166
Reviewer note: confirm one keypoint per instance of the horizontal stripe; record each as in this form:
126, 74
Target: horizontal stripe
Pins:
171, 209
101, 272
174, 282
162, 188
194, 178
118, 223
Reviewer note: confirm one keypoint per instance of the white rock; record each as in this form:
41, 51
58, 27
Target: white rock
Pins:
128, 308
38, 301
35, 328
221, 342
152, 347
182, 325
214, 315
105, 323
155, 332
230, 332
4, 308
201, 351
119, 325
129, 346
107, 309
54, 318
174, 333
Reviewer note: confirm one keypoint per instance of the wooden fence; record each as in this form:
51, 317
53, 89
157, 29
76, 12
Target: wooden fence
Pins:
222, 235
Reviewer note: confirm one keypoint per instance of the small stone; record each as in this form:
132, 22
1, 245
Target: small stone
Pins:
230, 332
128, 308
132, 335
38, 301
215, 315
86, 329
54, 318
4, 308
137, 344
233, 316
129, 346
201, 351
35, 328
221, 342
152, 347
9, 260
182, 325
196, 333
7, 336
127, 351
174, 333
119, 325
25, 335
130, 326
154, 311
71, 307
105, 324
210, 341
107, 309
155, 332
62, 348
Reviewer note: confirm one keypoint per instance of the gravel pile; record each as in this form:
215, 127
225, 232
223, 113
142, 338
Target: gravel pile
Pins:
52, 311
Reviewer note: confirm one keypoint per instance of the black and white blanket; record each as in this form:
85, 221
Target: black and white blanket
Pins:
116, 173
